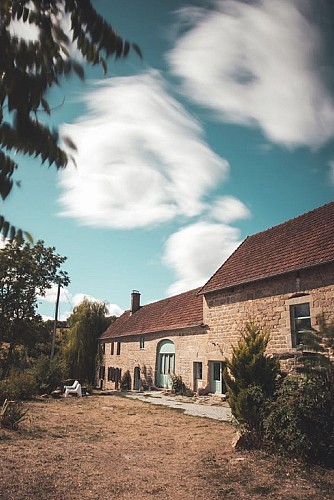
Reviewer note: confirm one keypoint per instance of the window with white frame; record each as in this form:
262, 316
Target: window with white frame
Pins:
142, 342
300, 322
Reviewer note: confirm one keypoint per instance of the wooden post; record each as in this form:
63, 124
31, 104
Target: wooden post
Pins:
55, 323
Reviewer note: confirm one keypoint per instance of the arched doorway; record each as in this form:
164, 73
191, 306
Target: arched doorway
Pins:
165, 363
136, 378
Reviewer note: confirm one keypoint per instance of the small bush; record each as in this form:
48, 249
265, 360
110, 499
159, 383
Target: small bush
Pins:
125, 383
179, 387
19, 385
301, 420
11, 414
48, 373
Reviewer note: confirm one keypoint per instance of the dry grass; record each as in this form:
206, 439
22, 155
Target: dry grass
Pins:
112, 447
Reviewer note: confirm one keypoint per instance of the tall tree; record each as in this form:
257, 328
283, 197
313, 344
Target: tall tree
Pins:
86, 323
28, 69
26, 272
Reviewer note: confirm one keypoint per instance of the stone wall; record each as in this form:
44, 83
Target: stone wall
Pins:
268, 302
225, 314
190, 346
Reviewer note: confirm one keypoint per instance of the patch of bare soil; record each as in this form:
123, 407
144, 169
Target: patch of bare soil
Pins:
114, 447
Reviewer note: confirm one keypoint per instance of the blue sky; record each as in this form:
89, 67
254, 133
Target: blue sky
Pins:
225, 128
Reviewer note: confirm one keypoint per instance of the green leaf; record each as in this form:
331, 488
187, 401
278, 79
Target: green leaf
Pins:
29, 237
78, 69
104, 65
12, 233
136, 48
5, 229
25, 14
19, 11
126, 48
68, 141
46, 106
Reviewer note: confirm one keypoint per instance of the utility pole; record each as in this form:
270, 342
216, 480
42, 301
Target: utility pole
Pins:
55, 323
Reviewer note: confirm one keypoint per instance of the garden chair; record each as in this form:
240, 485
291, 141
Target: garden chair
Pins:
73, 389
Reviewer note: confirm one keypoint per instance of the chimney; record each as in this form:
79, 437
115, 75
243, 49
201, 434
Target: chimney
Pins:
135, 301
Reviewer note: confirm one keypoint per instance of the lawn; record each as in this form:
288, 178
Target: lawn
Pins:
113, 447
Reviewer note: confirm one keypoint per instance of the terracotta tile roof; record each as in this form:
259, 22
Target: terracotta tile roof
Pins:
181, 311
306, 241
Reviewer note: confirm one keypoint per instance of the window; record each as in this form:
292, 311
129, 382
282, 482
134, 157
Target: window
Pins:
103, 347
112, 348
300, 322
118, 348
142, 342
198, 370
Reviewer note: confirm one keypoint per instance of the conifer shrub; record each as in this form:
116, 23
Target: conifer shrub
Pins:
251, 378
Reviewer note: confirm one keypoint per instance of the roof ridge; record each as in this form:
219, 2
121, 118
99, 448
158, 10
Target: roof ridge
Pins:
195, 290
223, 264
275, 250
280, 224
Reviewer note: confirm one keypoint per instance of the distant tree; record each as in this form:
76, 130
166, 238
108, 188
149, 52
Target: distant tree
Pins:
251, 377
26, 272
87, 322
28, 69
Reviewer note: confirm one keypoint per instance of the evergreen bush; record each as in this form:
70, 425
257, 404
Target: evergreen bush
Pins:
251, 378
301, 419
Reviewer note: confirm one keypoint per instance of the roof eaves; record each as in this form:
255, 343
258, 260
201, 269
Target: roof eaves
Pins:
136, 334
269, 276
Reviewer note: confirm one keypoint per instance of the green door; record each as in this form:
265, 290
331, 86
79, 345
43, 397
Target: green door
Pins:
166, 363
217, 385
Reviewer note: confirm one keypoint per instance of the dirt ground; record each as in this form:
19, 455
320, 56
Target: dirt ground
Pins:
112, 447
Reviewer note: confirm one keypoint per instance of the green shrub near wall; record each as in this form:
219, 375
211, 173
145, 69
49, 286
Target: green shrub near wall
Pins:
301, 419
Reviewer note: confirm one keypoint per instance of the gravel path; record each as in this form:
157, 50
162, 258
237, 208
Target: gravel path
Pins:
205, 409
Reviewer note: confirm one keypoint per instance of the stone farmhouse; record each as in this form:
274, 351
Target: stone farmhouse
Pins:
281, 278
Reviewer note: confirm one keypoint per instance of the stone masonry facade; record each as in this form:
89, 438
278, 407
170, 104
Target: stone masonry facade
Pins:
268, 303
141, 351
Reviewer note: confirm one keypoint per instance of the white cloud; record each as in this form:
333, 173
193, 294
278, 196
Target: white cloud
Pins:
51, 295
257, 64
141, 157
228, 209
74, 300
197, 251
